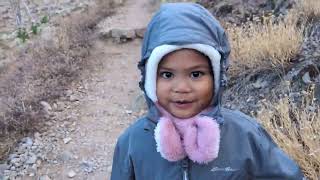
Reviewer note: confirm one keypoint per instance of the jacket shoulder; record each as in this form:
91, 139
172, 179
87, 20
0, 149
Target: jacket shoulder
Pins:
242, 121
253, 138
133, 131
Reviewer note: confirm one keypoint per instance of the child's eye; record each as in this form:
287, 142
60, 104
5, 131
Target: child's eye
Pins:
166, 75
196, 74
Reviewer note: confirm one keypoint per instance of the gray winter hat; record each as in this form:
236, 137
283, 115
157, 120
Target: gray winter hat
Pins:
182, 25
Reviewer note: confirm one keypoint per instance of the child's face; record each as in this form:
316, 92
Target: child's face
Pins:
184, 83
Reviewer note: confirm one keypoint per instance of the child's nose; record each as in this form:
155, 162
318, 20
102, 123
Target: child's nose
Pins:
182, 86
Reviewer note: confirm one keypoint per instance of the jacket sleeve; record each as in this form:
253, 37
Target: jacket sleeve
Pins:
122, 168
271, 162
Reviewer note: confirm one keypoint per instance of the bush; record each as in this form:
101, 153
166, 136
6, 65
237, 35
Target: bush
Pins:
296, 129
265, 45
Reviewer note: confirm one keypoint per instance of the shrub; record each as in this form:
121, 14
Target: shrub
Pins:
264, 45
296, 129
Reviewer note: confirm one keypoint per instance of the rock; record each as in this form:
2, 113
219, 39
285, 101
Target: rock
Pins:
109, 169
32, 159
65, 156
87, 166
60, 106
105, 34
224, 8
55, 106
71, 174
49, 123
317, 92
23, 148
2, 55
12, 156
7, 171
306, 78
6, 17
73, 98
16, 162
38, 162
5, 11
23, 157
27, 141
31, 171
122, 34
129, 112
259, 84
118, 2
67, 140
3, 167
82, 134
140, 32
37, 135
44, 177
68, 92
46, 107
44, 8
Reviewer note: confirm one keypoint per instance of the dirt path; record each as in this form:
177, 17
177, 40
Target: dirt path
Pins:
103, 105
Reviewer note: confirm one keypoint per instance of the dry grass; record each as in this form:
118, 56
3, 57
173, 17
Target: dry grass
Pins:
268, 44
264, 45
42, 71
309, 7
296, 129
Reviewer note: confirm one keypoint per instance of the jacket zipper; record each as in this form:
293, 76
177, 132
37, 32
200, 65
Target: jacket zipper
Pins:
185, 165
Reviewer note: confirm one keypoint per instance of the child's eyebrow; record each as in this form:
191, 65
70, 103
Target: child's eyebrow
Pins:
203, 66
166, 68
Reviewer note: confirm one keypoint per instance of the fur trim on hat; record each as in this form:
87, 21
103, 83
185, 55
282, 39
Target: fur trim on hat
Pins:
159, 52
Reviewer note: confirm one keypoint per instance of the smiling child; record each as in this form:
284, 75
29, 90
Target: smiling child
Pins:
186, 134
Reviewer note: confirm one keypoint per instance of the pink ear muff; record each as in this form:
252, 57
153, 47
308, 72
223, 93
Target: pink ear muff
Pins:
202, 139
197, 137
169, 141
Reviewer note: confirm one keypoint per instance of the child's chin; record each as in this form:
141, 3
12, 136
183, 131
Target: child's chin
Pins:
183, 115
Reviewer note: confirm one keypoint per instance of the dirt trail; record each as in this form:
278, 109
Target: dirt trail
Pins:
104, 104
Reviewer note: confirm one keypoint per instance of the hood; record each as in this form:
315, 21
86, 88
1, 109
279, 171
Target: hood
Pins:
182, 24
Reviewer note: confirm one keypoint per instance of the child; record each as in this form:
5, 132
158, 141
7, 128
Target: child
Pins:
186, 134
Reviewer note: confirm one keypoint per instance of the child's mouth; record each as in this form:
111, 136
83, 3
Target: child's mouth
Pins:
183, 104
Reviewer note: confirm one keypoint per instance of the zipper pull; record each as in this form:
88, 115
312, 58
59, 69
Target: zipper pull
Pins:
185, 165
185, 175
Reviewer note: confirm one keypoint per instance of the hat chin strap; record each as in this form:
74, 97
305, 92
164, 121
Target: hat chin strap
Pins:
159, 52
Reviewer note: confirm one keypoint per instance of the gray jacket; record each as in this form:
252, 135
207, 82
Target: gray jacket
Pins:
246, 150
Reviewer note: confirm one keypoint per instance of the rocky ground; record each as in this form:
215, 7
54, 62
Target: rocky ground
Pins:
240, 11
78, 142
